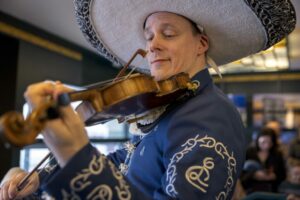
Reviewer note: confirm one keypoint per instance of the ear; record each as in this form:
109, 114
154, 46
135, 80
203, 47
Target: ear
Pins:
203, 44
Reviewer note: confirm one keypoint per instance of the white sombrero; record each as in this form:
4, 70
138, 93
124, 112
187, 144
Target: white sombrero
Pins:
236, 28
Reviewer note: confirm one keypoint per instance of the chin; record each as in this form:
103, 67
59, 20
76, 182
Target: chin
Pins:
160, 75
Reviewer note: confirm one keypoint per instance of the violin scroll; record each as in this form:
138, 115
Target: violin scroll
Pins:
21, 132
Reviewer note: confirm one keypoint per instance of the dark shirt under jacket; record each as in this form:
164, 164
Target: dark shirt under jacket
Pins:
196, 151
275, 162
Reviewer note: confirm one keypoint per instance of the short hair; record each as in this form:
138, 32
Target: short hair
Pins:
194, 26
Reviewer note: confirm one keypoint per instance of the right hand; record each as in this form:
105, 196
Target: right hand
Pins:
66, 135
263, 175
12, 179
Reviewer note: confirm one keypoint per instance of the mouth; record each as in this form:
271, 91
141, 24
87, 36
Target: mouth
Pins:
158, 61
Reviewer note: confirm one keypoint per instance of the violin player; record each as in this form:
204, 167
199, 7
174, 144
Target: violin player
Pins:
193, 150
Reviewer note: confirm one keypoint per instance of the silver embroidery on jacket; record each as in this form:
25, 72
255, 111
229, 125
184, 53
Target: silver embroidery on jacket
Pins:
123, 188
103, 191
95, 167
204, 142
129, 147
198, 176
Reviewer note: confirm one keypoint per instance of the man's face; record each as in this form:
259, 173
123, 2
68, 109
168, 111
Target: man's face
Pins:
172, 46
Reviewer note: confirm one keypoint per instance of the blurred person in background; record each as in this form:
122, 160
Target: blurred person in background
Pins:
264, 168
291, 186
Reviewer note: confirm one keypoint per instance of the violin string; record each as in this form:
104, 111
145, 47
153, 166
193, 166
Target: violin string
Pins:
99, 83
106, 82
129, 74
139, 62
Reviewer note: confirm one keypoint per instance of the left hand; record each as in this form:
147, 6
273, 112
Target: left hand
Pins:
9, 184
66, 135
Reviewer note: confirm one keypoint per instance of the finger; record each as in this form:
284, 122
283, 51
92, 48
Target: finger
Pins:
42, 88
12, 190
4, 191
68, 115
27, 190
61, 88
36, 93
1, 192
71, 118
30, 187
65, 125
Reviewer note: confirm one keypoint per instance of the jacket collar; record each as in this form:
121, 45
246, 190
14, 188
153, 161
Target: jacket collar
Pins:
203, 78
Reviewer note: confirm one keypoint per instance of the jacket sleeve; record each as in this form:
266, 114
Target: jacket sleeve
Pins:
201, 162
90, 175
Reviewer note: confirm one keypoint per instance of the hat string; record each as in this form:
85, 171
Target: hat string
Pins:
209, 60
213, 64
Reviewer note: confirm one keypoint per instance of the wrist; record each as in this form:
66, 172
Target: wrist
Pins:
64, 154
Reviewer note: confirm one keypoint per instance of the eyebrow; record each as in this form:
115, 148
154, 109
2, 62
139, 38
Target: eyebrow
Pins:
162, 26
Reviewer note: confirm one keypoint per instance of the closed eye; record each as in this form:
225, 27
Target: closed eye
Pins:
169, 34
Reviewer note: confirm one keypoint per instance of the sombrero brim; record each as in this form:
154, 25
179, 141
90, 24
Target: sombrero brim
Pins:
236, 28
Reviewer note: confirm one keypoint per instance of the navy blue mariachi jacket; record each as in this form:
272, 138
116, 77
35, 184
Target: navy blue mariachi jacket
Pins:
196, 151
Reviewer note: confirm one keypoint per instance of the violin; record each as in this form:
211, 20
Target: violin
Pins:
128, 98
123, 99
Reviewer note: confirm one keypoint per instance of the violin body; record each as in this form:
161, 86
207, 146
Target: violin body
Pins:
128, 98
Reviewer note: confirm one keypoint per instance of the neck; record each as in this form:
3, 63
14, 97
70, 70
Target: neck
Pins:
199, 67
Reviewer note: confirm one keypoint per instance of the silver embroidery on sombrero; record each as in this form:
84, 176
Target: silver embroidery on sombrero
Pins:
82, 13
198, 176
204, 142
272, 18
123, 188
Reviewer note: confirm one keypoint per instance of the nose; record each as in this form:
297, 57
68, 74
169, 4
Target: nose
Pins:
154, 44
